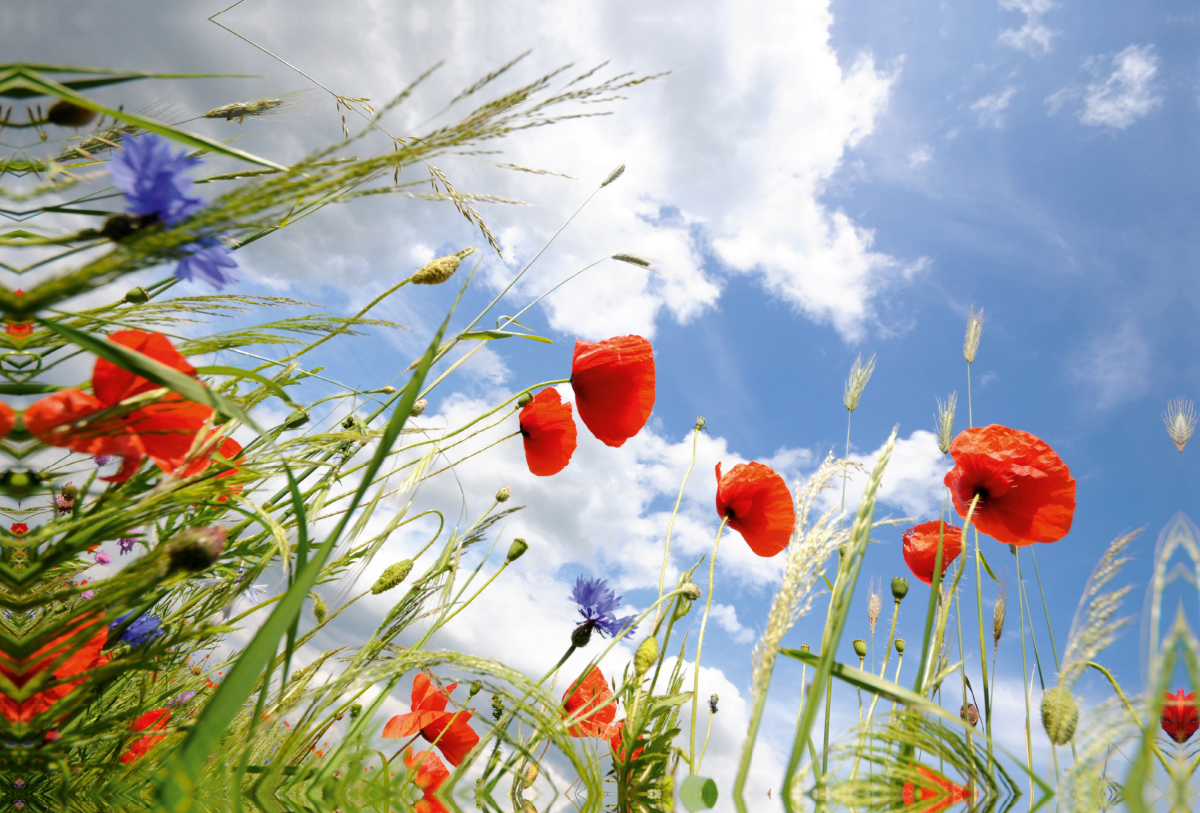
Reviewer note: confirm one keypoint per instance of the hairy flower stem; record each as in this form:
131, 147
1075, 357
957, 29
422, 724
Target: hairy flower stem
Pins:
662, 574
712, 566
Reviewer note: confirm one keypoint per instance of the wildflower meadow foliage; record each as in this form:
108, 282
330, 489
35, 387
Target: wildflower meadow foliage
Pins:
126, 430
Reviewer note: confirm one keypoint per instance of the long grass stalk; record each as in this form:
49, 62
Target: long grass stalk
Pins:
712, 566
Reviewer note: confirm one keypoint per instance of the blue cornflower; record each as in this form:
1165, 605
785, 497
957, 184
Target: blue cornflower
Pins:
126, 544
210, 260
145, 628
597, 605
153, 180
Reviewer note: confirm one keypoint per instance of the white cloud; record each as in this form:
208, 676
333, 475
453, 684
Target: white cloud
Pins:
920, 156
726, 616
990, 109
1128, 94
1033, 36
912, 482
1114, 365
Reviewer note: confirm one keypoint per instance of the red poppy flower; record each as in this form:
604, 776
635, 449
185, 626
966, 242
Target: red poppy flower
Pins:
549, 433
616, 734
1026, 493
758, 505
19, 529
229, 449
584, 704
150, 721
920, 548
454, 737
70, 655
8, 419
430, 774
18, 331
613, 382
939, 788
165, 430
1179, 717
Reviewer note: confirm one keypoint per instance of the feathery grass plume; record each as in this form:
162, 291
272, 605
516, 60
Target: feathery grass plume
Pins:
945, 421
1095, 625
1180, 419
856, 382
612, 176
874, 603
974, 331
632, 259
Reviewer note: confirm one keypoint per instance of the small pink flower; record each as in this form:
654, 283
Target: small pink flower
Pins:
103, 557
87, 594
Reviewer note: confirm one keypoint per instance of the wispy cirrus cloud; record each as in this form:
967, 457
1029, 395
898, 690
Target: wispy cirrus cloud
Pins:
991, 108
1034, 37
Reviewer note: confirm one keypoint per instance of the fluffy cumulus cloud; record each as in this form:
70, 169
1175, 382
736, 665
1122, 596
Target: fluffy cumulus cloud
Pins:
1033, 36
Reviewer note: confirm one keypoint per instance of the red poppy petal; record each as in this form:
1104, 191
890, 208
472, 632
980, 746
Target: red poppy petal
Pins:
920, 548
52, 421
113, 384
405, 725
549, 433
613, 382
592, 691
758, 505
8, 419
454, 737
168, 428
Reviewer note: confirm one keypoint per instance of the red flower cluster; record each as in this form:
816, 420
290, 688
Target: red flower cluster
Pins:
69, 658
757, 504
613, 381
1179, 717
941, 789
429, 716
1026, 492
920, 548
165, 430
150, 721
430, 774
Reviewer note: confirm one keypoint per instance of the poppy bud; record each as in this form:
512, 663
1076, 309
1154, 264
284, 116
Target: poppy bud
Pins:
690, 591
355, 710
647, 654
860, 647
516, 550
476, 687
319, 609
899, 588
137, 296
197, 670
70, 491
195, 549
682, 607
296, 419
1060, 715
69, 114
524, 398
805, 648
441, 269
503, 494
581, 636
392, 576
701, 422
900, 646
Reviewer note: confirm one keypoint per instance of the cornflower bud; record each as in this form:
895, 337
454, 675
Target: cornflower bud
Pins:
319, 609
900, 646
712, 703
195, 549
503, 494
860, 647
856, 382
945, 421
581, 636
1060, 715
899, 588
1180, 419
438, 271
690, 591
516, 550
70, 491
647, 654
418, 407
392, 576
974, 331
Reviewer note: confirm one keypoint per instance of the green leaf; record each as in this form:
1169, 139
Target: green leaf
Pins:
672, 700
988, 567
502, 334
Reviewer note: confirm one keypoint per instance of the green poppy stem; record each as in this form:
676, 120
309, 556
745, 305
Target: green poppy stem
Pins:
712, 566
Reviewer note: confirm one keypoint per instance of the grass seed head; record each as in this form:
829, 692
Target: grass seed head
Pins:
646, 655
438, 271
998, 614
612, 176
392, 576
1060, 715
945, 421
1180, 419
856, 382
874, 605
319, 609
974, 331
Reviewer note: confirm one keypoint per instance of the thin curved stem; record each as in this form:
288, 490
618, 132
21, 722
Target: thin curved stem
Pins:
712, 566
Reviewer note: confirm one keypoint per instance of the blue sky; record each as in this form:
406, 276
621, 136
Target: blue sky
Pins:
812, 183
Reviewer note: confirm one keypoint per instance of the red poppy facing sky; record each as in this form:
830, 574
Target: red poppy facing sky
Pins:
8, 419
19, 529
758, 505
1026, 492
591, 693
549, 433
150, 721
75, 652
430, 774
613, 382
165, 430
1179, 717
920, 548
454, 737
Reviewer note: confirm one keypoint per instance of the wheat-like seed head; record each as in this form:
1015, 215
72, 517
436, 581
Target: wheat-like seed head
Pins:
974, 331
1096, 626
1180, 419
874, 604
998, 612
945, 421
856, 382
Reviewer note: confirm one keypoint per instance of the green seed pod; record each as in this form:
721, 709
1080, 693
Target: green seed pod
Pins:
900, 645
1060, 715
647, 654
805, 648
899, 588
524, 398
319, 609
701, 422
137, 296
392, 576
476, 686
69, 114
441, 269
860, 647
516, 550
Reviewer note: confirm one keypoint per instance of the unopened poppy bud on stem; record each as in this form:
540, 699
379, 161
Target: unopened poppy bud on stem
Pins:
392, 576
441, 269
195, 549
900, 646
647, 654
860, 647
899, 588
476, 687
503, 494
516, 550
137, 296
524, 398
